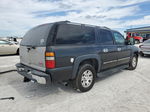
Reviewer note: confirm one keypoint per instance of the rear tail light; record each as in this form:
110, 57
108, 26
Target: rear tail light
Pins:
50, 60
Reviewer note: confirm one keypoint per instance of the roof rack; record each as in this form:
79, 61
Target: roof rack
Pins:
82, 24
63, 21
105, 27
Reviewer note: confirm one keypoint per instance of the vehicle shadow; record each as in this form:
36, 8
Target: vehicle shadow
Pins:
32, 90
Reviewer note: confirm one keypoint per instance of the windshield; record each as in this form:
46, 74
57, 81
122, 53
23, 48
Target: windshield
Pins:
37, 36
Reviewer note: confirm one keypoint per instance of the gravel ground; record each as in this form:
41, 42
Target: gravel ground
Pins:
124, 91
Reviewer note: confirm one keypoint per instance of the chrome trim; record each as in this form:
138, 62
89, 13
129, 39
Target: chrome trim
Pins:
110, 62
116, 60
118, 49
123, 58
105, 50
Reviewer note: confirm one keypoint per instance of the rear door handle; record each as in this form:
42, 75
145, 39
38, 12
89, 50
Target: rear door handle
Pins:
119, 49
105, 50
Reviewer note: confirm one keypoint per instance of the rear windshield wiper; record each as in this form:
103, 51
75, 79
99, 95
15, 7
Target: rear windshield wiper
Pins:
33, 47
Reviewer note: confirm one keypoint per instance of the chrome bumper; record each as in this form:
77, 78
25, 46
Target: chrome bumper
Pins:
32, 74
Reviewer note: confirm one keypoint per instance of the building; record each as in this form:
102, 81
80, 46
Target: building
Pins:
141, 31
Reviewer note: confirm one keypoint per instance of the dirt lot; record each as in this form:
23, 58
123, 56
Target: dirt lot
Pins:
125, 91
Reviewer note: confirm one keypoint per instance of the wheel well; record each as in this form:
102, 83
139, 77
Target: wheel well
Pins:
18, 51
93, 62
136, 53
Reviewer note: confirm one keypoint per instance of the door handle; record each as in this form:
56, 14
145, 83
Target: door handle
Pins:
119, 49
105, 50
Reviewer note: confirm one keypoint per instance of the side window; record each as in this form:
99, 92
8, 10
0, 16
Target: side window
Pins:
3, 42
119, 39
89, 35
74, 34
105, 37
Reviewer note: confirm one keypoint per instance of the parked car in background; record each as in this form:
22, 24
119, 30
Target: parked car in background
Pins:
138, 39
146, 37
145, 48
72, 52
7, 47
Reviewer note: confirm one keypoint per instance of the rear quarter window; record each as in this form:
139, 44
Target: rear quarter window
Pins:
75, 34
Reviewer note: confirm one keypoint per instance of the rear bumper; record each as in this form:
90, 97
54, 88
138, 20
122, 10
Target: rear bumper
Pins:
57, 74
30, 72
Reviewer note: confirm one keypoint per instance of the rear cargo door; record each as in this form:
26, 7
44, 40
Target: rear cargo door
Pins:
33, 57
33, 47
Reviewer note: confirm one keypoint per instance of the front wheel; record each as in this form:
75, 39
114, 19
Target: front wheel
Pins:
133, 62
17, 52
141, 53
85, 78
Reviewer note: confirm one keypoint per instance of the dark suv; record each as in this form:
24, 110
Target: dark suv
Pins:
72, 52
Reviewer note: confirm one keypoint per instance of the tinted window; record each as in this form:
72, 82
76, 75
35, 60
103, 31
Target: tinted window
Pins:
3, 42
75, 34
89, 35
119, 39
148, 35
105, 37
37, 36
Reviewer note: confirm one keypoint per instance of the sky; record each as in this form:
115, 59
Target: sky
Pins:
18, 16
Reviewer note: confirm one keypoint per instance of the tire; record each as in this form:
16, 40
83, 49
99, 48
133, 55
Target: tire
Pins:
85, 78
133, 62
141, 54
17, 52
25, 79
48, 81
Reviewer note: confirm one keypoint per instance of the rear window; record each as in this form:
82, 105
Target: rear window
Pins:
75, 34
37, 36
